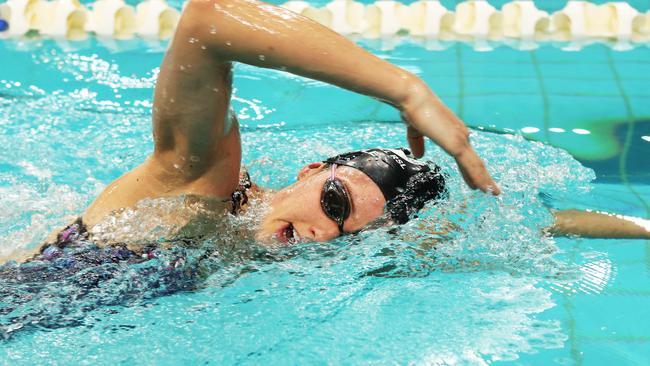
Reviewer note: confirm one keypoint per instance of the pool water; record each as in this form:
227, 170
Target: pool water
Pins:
557, 128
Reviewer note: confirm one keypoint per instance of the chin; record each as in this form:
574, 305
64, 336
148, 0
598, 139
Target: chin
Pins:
277, 233
266, 235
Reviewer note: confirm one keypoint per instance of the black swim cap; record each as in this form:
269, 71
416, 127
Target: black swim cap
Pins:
407, 184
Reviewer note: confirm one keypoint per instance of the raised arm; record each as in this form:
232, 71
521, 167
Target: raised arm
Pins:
591, 224
268, 36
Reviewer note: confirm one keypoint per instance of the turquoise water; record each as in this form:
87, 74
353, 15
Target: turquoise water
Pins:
76, 116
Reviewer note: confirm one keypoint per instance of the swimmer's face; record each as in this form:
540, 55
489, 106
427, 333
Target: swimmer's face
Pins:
296, 210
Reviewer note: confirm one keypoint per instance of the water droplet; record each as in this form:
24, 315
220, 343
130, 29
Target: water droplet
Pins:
193, 40
215, 90
262, 57
195, 158
203, 47
182, 68
228, 43
213, 29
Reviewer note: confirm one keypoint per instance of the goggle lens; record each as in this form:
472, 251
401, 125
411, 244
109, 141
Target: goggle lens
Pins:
335, 200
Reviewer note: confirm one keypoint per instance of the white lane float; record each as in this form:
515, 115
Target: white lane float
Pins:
472, 19
582, 19
620, 27
156, 19
348, 16
641, 28
296, 6
321, 15
385, 18
112, 18
14, 14
61, 19
521, 20
429, 19
621, 17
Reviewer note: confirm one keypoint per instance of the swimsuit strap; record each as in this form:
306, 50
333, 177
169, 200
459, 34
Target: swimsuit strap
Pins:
73, 232
239, 198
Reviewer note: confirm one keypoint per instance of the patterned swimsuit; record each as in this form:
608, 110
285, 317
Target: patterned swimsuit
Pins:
75, 271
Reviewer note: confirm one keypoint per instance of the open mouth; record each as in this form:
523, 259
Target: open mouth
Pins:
287, 234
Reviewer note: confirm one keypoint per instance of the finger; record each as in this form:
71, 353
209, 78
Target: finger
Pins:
475, 174
467, 178
483, 181
416, 141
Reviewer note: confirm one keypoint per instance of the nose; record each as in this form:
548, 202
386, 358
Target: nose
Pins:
326, 232
321, 232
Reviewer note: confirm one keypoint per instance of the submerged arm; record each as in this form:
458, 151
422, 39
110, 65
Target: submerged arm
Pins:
590, 224
268, 36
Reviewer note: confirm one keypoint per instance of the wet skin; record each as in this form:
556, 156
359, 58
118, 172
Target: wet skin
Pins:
298, 206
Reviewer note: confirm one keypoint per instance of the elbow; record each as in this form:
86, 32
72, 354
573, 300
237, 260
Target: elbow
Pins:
209, 21
198, 15
194, 16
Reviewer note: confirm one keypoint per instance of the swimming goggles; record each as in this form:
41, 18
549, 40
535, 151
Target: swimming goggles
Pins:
335, 199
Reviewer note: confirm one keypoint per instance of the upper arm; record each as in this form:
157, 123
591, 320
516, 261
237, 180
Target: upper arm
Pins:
195, 136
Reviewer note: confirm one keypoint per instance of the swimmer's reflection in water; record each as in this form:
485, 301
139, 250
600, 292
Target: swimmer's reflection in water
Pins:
197, 154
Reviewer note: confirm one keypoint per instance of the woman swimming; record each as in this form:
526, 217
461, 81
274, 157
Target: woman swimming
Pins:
197, 154
196, 164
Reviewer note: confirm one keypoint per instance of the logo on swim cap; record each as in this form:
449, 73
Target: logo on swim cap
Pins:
405, 154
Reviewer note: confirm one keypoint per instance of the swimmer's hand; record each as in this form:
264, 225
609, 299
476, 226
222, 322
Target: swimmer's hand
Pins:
426, 115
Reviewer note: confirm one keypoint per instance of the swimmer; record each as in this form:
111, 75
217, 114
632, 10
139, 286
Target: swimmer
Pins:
196, 163
197, 153
197, 141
